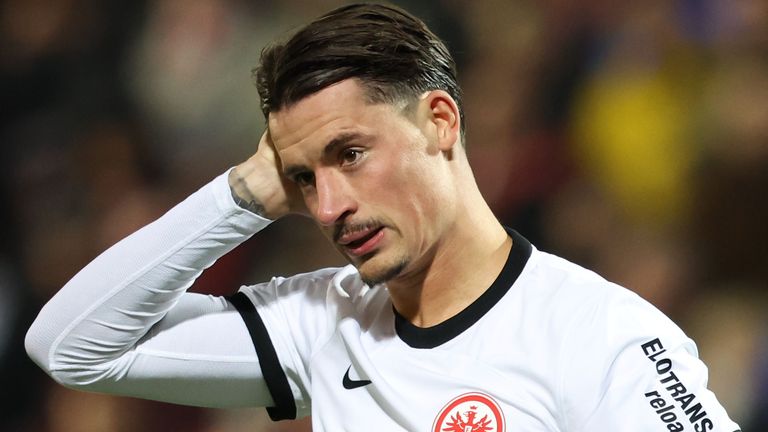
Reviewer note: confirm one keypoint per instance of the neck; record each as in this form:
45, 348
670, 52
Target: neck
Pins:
457, 271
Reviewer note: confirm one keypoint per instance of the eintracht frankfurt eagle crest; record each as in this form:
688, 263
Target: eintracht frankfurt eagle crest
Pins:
470, 412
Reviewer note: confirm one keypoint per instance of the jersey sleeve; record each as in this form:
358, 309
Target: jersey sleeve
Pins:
288, 320
126, 325
626, 366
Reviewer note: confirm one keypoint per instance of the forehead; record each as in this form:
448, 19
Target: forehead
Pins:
339, 108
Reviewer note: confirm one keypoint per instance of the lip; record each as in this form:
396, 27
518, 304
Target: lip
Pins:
371, 238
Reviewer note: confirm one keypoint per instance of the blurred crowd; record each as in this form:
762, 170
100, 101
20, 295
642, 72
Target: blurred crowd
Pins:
630, 137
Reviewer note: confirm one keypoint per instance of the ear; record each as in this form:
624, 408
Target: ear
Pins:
444, 115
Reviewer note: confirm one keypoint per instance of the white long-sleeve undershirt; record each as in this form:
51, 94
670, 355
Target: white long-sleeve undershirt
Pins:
126, 325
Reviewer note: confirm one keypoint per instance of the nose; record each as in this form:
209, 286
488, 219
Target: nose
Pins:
334, 197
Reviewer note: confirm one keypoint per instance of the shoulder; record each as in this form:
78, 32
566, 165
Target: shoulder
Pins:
621, 360
580, 298
593, 321
310, 284
330, 286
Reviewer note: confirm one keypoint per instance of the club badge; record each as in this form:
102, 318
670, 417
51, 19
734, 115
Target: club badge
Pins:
470, 412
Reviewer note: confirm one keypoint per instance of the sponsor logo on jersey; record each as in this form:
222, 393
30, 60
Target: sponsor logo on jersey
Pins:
470, 412
683, 397
351, 384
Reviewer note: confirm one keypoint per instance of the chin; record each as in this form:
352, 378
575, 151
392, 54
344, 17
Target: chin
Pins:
374, 274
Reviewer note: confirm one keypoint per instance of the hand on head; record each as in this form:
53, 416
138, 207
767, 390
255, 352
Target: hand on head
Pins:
258, 184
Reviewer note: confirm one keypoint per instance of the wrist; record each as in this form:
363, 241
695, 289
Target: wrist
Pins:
241, 194
257, 187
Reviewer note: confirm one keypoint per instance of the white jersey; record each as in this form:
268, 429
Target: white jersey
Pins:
549, 346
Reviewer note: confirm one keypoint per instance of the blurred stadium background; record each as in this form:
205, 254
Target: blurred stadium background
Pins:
631, 137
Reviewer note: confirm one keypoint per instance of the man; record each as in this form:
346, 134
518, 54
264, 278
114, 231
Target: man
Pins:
445, 321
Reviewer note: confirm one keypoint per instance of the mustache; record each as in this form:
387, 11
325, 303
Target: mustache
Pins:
353, 227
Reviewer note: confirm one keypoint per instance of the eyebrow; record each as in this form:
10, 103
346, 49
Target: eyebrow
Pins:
329, 149
340, 141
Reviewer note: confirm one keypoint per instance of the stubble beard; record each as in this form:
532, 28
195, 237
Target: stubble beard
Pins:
383, 275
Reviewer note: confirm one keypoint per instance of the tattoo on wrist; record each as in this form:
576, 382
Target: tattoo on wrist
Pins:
250, 203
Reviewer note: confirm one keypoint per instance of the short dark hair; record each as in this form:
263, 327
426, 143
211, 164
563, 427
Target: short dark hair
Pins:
393, 54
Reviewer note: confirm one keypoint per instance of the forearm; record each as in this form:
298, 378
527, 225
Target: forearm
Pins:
100, 315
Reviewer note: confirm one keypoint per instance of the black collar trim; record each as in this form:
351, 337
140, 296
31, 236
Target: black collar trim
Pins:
431, 337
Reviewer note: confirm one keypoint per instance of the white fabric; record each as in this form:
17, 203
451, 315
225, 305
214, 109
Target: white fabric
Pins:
124, 324
563, 350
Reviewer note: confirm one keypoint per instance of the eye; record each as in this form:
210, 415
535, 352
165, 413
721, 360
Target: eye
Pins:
351, 156
304, 179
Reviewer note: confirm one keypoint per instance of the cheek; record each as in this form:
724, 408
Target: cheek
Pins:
310, 201
417, 189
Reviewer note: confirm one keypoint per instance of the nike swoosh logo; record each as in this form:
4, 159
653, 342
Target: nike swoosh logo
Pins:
351, 384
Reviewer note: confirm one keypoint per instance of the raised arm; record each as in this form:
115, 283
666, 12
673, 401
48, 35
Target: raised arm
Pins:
125, 324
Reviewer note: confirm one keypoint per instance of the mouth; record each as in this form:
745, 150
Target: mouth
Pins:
362, 242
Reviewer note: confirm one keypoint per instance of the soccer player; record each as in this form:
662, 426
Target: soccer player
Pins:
444, 321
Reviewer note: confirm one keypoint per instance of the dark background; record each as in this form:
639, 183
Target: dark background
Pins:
632, 139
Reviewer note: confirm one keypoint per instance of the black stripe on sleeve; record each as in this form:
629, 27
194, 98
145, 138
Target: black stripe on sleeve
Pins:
274, 376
